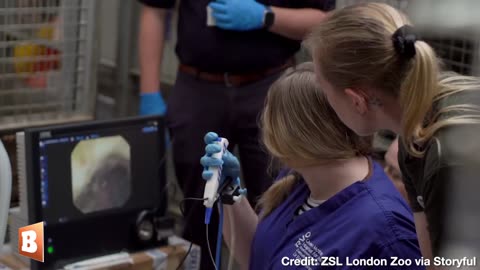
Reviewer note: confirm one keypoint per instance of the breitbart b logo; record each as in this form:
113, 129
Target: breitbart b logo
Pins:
30, 241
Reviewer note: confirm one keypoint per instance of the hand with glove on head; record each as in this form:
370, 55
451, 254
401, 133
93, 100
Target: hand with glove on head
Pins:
239, 15
152, 103
229, 188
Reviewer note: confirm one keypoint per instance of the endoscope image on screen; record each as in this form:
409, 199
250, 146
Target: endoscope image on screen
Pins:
101, 174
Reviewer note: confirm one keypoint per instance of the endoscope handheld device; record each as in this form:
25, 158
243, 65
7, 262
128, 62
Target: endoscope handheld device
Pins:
211, 187
227, 191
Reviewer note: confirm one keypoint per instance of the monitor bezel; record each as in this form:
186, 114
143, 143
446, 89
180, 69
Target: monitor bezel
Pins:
32, 153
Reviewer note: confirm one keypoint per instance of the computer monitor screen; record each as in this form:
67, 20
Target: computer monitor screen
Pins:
89, 181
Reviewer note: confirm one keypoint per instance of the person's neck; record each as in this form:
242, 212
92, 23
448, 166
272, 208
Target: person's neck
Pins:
324, 181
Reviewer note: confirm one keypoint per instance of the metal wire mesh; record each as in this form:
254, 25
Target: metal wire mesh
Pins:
46, 70
458, 54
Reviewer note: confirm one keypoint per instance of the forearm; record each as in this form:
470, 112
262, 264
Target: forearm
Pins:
296, 23
421, 226
240, 224
151, 39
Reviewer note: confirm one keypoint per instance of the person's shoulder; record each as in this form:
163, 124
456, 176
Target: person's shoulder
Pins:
455, 145
386, 212
457, 89
384, 220
454, 121
457, 116
382, 189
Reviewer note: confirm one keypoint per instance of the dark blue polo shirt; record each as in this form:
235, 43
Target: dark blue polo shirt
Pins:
215, 50
368, 219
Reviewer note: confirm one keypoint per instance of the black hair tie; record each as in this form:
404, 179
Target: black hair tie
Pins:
404, 41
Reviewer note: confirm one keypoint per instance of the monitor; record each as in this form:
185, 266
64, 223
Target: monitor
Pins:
89, 182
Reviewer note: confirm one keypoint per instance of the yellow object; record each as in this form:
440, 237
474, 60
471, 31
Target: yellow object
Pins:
25, 53
46, 32
25, 57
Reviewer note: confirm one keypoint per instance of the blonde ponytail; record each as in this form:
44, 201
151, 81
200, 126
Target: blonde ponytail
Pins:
417, 93
299, 128
276, 194
354, 48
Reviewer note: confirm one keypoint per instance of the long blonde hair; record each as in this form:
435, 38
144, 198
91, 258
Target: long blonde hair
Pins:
354, 48
299, 128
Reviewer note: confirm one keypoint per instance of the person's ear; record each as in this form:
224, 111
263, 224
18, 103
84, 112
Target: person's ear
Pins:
358, 100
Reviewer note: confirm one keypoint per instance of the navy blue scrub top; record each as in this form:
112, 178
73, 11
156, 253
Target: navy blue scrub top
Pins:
367, 219
212, 49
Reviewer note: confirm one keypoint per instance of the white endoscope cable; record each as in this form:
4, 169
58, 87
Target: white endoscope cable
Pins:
211, 196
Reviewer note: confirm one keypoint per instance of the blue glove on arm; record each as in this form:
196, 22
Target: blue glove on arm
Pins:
230, 164
152, 103
240, 15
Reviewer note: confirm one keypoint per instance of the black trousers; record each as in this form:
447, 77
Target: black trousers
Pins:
196, 107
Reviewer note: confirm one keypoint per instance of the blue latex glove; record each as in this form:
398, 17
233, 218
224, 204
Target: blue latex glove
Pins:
152, 103
240, 15
231, 165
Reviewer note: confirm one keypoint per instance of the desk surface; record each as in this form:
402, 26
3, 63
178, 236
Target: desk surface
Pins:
168, 256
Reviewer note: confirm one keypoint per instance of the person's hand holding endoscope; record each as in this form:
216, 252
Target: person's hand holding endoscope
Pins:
229, 162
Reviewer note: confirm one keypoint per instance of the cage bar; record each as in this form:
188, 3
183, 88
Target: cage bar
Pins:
459, 53
47, 72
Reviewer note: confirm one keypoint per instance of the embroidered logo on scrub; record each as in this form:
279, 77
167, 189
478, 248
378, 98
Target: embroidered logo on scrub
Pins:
304, 248
420, 201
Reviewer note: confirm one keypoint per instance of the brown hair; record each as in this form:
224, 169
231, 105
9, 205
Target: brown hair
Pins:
300, 128
354, 48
